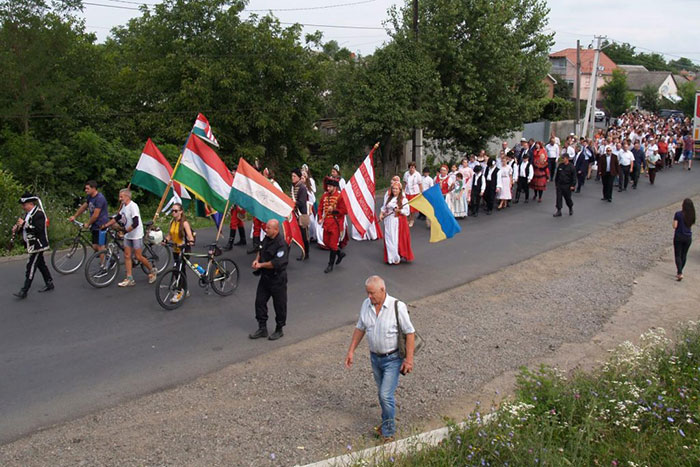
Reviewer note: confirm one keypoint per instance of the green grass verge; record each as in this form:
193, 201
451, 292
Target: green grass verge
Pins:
641, 408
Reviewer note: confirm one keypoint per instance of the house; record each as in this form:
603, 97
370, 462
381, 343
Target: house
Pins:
549, 82
564, 64
638, 77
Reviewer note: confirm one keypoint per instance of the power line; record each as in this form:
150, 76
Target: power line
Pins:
374, 28
325, 7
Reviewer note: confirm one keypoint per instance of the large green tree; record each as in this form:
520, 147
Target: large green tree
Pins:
491, 58
649, 100
617, 97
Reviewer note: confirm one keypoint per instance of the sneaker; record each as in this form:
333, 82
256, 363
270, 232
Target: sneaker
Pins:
177, 297
127, 283
152, 276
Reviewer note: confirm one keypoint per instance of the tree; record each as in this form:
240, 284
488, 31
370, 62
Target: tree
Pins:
686, 91
491, 58
649, 99
683, 63
557, 108
616, 95
373, 99
621, 54
562, 88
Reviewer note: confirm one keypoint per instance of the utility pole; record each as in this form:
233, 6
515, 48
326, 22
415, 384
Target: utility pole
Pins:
577, 126
417, 149
589, 120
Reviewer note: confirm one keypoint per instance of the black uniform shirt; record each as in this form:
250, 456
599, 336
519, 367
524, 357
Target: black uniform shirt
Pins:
276, 251
566, 175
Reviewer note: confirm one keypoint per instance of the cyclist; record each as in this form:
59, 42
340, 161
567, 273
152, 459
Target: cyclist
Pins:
129, 218
96, 205
180, 233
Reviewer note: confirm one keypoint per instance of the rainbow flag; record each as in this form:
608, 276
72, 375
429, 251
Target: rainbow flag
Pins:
442, 222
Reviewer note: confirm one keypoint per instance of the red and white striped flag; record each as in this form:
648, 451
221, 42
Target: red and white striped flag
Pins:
359, 194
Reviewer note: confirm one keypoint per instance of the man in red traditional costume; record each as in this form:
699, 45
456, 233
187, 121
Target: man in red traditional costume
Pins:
332, 211
237, 224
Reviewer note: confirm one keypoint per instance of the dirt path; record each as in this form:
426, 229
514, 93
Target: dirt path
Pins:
565, 307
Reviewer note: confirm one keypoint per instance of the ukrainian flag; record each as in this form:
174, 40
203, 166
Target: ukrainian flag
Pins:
442, 222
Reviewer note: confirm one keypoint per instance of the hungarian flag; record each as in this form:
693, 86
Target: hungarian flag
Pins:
359, 195
257, 195
292, 232
202, 129
202, 172
153, 173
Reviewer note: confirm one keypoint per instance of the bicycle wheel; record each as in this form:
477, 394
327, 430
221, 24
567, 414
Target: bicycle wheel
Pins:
171, 289
68, 255
224, 275
102, 268
158, 255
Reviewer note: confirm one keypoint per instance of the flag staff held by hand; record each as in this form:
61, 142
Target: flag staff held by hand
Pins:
221, 224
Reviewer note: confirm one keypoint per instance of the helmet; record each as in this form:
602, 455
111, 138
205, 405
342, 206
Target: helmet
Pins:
155, 236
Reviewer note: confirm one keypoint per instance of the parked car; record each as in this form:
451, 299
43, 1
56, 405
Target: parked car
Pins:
668, 113
599, 115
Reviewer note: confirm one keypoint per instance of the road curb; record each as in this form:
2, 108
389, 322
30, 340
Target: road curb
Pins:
10, 259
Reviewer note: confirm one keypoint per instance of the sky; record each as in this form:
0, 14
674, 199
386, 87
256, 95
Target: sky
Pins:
637, 22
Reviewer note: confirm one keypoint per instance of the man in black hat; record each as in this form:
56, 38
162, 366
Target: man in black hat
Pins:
565, 181
332, 212
36, 237
478, 188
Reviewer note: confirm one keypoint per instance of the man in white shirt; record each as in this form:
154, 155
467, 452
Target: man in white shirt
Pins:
522, 175
412, 181
378, 319
626, 159
129, 218
553, 151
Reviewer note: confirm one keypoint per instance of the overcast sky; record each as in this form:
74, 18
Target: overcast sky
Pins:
640, 22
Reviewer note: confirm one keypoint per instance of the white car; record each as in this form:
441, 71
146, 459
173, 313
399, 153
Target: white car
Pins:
599, 115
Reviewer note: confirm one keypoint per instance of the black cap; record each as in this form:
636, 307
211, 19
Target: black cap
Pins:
26, 197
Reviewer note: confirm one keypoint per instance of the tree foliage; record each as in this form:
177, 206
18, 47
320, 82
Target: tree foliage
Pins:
491, 58
649, 100
616, 95
686, 91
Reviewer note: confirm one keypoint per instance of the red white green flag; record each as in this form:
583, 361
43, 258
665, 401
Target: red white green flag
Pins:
202, 172
153, 172
202, 129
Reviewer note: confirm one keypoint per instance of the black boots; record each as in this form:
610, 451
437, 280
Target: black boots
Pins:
47, 288
339, 256
261, 332
331, 262
277, 334
21, 294
241, 236
229, 245
558, 213
255, 247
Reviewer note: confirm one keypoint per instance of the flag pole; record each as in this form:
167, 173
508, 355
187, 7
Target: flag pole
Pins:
221, 224
170, 183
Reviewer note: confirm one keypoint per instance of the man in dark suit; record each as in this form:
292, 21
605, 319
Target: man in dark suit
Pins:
581, 164
608, 169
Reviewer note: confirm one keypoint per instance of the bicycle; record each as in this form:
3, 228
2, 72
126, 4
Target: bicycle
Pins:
222, 275
102, 268
69, 254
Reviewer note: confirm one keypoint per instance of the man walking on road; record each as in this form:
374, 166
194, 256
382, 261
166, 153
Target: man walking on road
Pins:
638, 163
378, 319
565, 181
36, 236
608, 169
553, 151
271, 265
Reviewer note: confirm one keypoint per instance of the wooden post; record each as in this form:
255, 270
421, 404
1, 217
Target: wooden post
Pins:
162, 200
221, 224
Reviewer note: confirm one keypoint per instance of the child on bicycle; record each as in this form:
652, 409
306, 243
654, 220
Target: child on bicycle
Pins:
181, 235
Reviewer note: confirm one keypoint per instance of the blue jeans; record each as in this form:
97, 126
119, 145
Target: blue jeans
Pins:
386, 375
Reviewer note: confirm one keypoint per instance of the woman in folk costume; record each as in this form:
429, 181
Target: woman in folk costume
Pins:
467, 172
397, 235
311, 208
504, 185
541, 166
443, 179
457, 197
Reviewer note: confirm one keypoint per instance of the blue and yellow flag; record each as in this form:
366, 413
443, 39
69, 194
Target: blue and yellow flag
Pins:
442, 222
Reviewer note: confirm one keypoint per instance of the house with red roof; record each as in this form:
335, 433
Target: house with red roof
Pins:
564, 64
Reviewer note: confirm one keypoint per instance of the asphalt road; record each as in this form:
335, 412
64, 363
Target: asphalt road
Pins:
79, 349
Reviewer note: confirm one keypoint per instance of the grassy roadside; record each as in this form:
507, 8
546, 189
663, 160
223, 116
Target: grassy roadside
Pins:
640, 408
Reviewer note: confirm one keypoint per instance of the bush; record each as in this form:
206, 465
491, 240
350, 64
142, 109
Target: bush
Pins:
640, 408
10, 210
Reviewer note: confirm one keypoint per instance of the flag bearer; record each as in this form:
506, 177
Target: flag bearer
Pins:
332, 211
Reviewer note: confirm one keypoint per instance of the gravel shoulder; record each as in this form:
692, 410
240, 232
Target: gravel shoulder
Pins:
298, 404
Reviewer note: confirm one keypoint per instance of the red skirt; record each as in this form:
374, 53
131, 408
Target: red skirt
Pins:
405, 251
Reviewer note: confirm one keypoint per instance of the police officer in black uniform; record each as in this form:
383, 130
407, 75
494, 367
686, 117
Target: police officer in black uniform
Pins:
271, 265
565, 181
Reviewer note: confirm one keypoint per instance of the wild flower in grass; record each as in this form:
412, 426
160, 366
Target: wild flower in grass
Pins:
349, 447
272, 456
681, 432
670, 419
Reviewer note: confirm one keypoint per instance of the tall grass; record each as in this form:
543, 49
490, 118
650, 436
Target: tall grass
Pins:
640, 408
